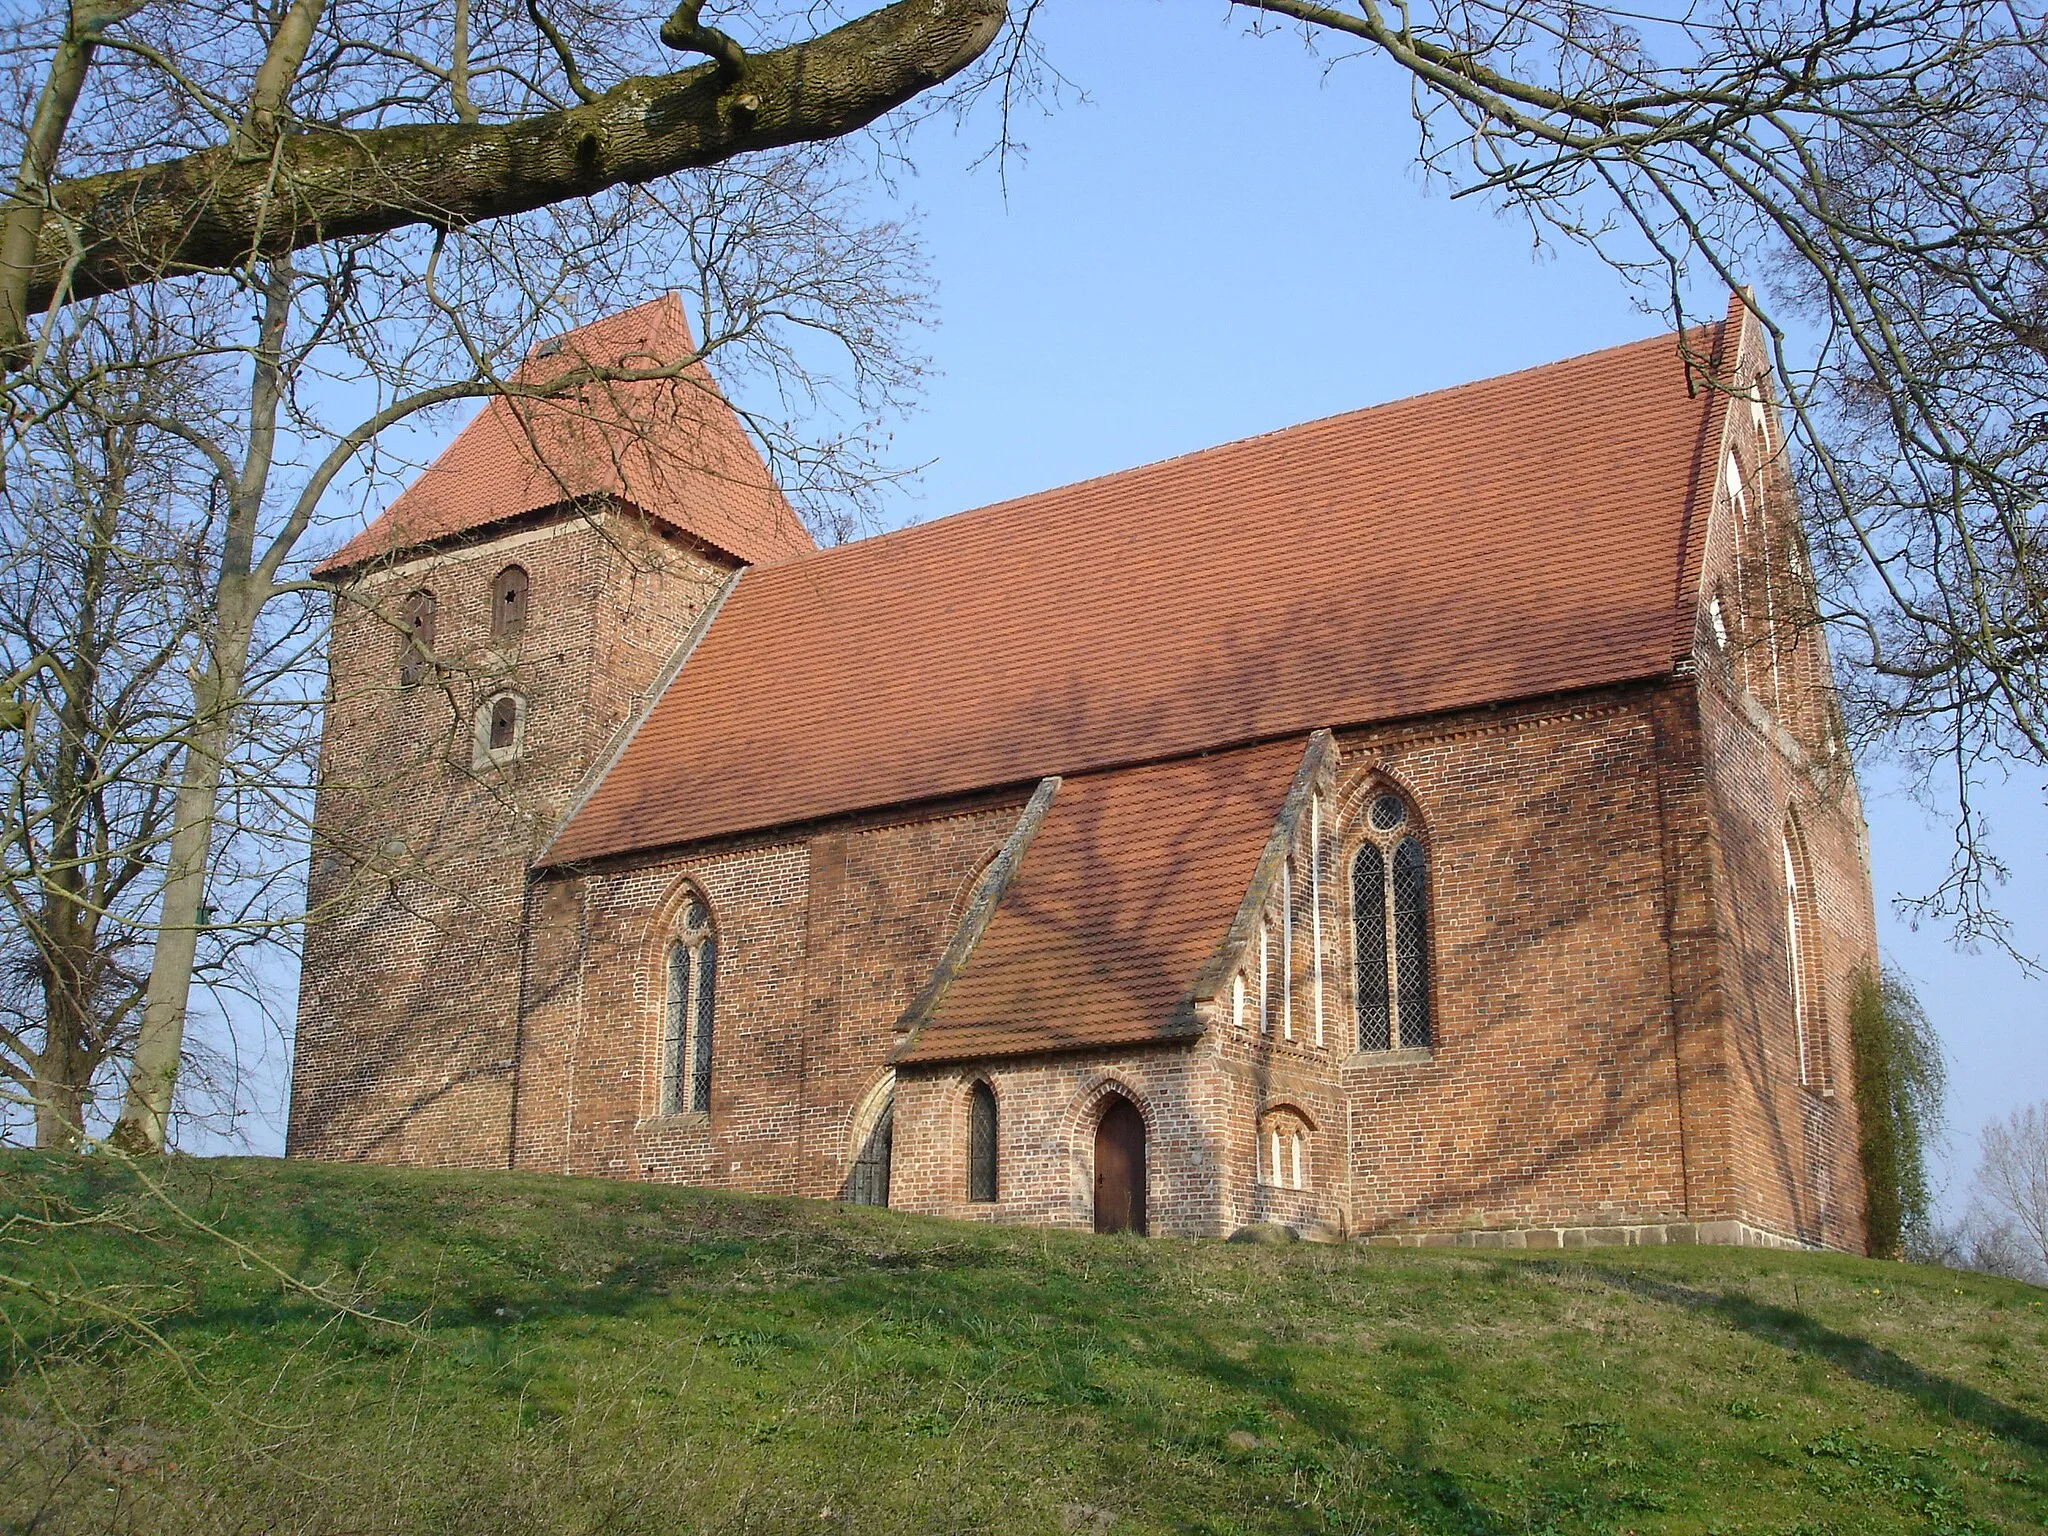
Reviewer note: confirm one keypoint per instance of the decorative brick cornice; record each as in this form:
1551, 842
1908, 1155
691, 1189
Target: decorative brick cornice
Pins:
1364, 740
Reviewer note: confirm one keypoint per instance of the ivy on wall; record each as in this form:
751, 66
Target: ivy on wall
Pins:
1901, 1081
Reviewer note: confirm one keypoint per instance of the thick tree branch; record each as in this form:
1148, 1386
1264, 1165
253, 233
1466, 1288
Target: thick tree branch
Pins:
213, 211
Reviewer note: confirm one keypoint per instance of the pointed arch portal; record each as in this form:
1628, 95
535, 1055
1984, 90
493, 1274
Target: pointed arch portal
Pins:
1120, 1168
868, 1183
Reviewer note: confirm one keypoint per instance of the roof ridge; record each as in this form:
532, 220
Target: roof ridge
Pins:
909, 530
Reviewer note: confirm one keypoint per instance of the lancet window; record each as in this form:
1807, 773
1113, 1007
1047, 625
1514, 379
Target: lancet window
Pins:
500, 730
981, 1143
1801, 932
508, 605
416, 624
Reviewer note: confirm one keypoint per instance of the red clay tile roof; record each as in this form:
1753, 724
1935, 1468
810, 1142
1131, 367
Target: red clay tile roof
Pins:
1125, 893
671, 447
1510, 538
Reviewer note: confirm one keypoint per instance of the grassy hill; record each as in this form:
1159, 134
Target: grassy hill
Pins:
592, 1357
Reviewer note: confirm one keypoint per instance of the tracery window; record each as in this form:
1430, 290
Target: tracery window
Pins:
1390, 930
692, 1008
981, 1143
416, 625
508, 605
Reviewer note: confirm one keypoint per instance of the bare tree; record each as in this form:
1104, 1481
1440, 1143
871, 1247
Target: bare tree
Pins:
109, 526
292, 194
2012, 1180
1877, 172
92, 619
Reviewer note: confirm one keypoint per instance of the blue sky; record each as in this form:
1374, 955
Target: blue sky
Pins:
1222, 239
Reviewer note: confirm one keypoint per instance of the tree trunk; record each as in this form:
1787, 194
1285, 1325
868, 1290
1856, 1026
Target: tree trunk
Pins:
73, 1045
160, 1044
63, 1068
21, 227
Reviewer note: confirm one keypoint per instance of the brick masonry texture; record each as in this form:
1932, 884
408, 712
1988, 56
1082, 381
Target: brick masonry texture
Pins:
407, 1017
1616, 1007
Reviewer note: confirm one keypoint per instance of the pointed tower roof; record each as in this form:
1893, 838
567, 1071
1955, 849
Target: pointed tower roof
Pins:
673, 448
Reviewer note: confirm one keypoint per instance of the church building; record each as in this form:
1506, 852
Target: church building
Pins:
1429, 824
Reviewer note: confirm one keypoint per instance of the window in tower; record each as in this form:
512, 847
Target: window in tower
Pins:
508, 605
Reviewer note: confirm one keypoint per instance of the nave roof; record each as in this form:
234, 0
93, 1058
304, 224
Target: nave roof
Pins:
1519, 536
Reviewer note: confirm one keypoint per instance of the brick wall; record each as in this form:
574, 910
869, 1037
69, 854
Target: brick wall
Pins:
406, 1016
1572, 959
1771, 766
1791, 1135
1047, 1111
823, 941
1549, 1090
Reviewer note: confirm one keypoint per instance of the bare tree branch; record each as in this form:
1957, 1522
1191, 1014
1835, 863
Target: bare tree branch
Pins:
213, 211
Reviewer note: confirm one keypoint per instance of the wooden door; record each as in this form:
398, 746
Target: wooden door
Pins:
1120, 1169
868, 1184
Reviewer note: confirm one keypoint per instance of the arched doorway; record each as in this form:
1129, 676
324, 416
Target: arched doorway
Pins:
868, 1183
1120, 1168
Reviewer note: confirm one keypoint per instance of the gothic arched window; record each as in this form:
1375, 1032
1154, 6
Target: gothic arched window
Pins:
416, 625
508, 605
981, 1143
692, 1006
1809, 1023
1390, 930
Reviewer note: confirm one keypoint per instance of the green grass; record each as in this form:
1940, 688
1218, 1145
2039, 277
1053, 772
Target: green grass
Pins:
593, 1357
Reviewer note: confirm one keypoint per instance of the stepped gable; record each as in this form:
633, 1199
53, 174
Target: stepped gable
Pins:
671, 447
1520, 536
1120, 900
